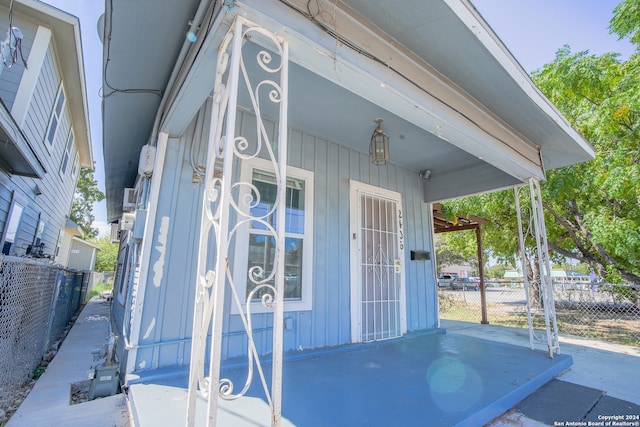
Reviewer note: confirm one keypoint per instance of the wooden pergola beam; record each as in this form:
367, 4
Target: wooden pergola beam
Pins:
461, 223
456, 228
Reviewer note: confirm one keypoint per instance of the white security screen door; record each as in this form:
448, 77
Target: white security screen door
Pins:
377, 254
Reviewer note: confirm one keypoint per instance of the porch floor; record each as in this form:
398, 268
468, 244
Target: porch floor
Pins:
436, 379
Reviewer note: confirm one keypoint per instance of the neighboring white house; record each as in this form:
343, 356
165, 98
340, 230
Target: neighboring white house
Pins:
72, 251
44, 128
71, 230
83, 255
198, 166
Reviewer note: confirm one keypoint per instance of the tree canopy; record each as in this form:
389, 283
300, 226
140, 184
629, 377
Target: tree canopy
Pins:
86, 194
592, 209
107, 258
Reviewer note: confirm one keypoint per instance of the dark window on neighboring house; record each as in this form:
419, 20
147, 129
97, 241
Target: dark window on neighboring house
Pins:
67, 153
56, 115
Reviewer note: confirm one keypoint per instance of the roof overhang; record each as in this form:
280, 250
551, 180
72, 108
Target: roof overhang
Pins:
454, 100
72, 228
79, 240
454, 39
142, 41
16, 155
68, 45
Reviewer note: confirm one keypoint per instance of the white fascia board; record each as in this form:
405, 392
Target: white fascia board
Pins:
72, 64
30, 75
420, 94
468, 14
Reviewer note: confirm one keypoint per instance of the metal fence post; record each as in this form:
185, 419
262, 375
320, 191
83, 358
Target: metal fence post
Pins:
54, 305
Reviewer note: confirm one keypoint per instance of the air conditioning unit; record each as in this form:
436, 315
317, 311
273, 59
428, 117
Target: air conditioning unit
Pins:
115, 232
126, 222
138, 224
129, 200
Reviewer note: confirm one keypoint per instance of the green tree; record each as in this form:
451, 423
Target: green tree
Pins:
496, 271
445, 256
107, 257
592, 209
86, 194
626, 21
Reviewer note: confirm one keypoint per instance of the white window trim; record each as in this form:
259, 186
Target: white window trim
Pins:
242, 241
17, 205
75, 168
60, 90
29, 80
39, 230
68, 150
123, 278
355, 189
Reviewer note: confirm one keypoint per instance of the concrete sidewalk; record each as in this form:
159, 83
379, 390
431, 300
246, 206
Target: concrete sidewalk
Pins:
48, 403
613, 368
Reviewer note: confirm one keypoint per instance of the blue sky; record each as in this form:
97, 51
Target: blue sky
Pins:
533, 30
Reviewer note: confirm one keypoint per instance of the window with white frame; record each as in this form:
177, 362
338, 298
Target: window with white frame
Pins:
67, 153
11, 228
255, 247
37, 239
56, 116
74, 170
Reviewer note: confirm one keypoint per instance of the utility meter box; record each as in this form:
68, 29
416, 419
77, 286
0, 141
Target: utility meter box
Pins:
105, 381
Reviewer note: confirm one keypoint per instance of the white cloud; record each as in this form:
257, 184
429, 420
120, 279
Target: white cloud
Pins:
104, 229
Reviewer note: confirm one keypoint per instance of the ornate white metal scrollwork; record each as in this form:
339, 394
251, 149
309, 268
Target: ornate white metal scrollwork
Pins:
227, 208
380, 264
537, 272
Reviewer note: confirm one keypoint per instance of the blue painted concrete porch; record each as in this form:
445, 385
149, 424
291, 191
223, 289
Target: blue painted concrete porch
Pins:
435, 379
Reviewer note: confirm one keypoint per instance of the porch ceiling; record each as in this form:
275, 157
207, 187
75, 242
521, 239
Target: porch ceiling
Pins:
140, 48
486, 102
323, 108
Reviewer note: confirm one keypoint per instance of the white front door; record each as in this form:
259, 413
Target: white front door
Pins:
377, 264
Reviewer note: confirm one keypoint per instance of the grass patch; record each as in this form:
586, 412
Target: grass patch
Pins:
100, 287
37, 373
609, 328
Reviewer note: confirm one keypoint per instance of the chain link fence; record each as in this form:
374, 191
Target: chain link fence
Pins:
37, 301
601, 311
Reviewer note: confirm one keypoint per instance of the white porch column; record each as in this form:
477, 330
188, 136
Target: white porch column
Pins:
535, 232
227, 208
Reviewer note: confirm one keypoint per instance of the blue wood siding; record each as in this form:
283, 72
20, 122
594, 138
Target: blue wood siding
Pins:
165, 323
54, 202
10, 78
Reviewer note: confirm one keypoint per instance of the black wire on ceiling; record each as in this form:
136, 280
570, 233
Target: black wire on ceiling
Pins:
107, 42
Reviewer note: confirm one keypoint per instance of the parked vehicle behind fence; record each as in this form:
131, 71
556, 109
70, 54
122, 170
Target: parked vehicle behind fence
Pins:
444, 280
464, 283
